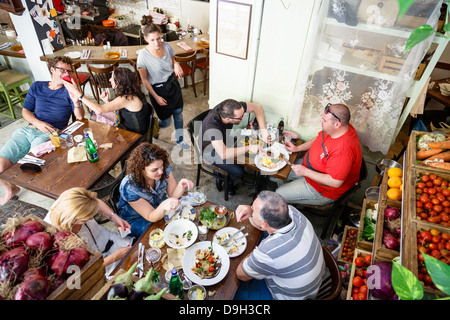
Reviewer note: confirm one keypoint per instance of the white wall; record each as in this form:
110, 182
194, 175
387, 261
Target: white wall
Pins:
232, 77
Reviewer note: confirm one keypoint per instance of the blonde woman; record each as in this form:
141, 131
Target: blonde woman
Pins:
74, 211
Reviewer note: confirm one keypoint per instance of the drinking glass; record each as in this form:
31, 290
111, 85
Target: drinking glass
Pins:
55, 138
198, 195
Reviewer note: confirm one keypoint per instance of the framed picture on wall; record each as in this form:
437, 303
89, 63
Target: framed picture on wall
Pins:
233, 28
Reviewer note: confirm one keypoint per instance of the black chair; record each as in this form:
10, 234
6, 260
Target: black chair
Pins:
195, 129
333, 211
114, 197
104, 190
332, 283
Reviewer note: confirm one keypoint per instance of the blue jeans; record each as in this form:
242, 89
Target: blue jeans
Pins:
235, 171
253, 290
177, 121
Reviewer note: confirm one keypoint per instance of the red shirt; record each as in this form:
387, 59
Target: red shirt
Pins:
343, 161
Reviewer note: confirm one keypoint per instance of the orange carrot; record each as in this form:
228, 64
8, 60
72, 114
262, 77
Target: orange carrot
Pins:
440, 156
424, 153
440, 165
440, 144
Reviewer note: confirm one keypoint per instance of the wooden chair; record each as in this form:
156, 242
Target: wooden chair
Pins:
202, 64
187, 63
10, 91
82, 78
195, 130
136, 72
332, 284
100, 78
333, 211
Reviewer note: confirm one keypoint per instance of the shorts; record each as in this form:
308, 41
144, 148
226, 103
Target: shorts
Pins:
21, 142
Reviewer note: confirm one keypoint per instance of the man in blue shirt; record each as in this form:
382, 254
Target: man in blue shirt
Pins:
47, 106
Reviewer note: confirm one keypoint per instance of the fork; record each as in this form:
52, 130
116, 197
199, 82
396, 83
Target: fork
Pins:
140, 265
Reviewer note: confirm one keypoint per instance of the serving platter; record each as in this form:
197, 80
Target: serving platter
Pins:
73, 54
265, 169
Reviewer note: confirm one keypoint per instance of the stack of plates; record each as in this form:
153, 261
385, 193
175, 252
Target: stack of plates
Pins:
445, 89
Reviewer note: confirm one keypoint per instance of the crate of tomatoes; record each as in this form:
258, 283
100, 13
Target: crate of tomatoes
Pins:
357, 287
348, 245
431, 198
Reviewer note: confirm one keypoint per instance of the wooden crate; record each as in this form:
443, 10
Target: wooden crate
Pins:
92, 274
410, 249
103, 292
411, 152
364, 244
340, 260
410, 204
390, 65
379, 249
358, 253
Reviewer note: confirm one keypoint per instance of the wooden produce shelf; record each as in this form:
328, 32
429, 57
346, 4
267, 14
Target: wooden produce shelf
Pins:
379, 249
361, 243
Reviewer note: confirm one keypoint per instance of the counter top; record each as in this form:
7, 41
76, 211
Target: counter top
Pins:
98, 53
8, 52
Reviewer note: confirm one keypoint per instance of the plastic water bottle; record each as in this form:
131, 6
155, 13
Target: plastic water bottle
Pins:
175, 285
91, 151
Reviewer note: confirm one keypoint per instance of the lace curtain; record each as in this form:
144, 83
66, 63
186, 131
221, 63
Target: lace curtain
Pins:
357, 58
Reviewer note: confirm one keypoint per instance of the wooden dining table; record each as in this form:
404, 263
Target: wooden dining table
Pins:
227, 287
57, 175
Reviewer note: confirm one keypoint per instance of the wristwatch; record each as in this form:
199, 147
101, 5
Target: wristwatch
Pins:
81, 97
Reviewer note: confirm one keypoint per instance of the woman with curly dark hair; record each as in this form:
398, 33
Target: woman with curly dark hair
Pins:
149, 188
130, 102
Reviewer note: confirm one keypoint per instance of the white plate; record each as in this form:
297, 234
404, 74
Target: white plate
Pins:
189, 262
73, 54
236, 248
265, 169
78, 138
180, 227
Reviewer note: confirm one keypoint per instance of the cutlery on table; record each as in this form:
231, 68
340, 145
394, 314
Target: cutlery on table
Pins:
232, 236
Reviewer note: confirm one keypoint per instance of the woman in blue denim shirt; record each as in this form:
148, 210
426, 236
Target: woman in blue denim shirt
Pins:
149, 188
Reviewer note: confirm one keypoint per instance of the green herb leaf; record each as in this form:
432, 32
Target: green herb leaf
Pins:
405, 283
404, 6
418, 35
439, 272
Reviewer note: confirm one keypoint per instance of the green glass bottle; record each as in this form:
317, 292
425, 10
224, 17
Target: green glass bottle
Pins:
91, 151
175, 285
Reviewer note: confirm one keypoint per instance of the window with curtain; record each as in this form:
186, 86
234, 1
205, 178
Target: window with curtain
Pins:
356, 57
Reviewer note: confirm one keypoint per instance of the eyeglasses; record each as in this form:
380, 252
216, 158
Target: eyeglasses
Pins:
327, 110
234, 118
64, 70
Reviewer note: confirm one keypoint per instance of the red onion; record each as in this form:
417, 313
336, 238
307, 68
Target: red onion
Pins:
390, 241
33, 272
59, 236
13, 264
62, 260
392, 213
36, 288
42, 241
19, 235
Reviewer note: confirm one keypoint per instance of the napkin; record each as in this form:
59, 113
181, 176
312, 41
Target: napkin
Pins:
174, 258
43, 148
76, 154
184, 46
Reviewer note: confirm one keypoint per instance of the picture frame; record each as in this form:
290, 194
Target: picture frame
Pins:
233, 28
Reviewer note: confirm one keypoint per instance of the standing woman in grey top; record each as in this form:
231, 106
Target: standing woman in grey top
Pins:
159, 72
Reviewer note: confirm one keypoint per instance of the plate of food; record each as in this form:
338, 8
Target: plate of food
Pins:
271, 161
213, 217
185, 211
236, 246
112, 55
180, 234
73, 54
206, 263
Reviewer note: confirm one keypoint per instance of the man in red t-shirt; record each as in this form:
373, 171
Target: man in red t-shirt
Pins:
331, 164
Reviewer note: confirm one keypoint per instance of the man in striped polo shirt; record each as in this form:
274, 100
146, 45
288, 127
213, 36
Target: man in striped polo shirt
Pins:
290, 258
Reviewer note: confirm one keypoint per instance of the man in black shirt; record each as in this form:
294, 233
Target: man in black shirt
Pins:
215, 131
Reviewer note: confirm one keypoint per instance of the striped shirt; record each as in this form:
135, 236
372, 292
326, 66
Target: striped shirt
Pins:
290, 260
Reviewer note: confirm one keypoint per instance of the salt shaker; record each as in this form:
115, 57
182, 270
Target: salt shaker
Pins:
202, 233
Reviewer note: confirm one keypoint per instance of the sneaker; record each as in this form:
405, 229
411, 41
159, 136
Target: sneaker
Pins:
184, 145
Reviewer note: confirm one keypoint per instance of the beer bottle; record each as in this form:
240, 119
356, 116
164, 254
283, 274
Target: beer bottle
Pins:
281, 127
91, 151
175, 285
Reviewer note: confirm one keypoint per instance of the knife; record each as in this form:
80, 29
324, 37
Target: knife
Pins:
232, 237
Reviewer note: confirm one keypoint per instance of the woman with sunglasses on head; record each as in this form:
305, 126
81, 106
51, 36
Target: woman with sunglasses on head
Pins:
134, 110
331, 164
159, 72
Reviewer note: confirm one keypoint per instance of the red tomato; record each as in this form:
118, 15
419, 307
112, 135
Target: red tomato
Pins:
437, 182
359, 261
368, 259
424, 199
211, 269
425, 178
357, 281
431, 191
425, 235
438, 208
421, 185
